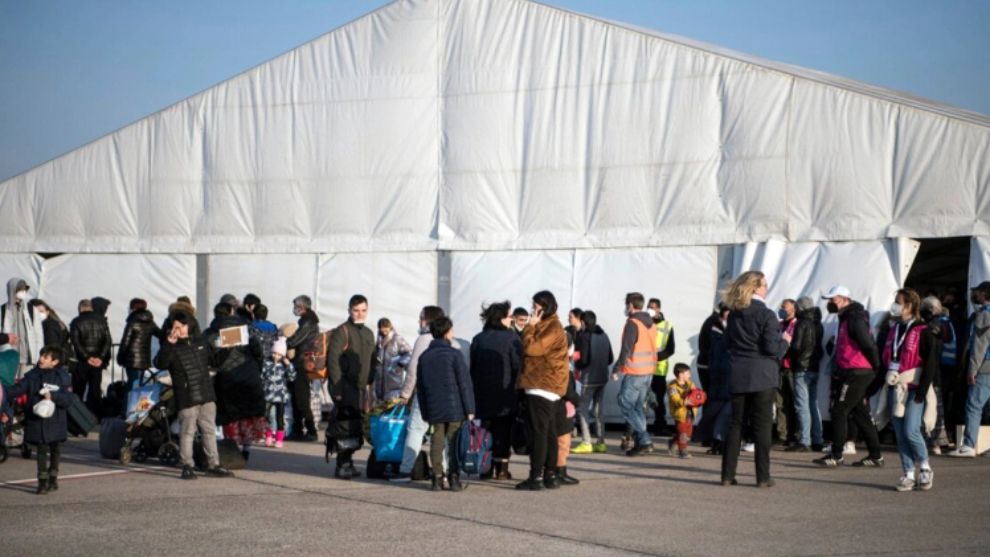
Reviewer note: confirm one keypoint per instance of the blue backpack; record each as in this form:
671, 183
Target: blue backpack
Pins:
474, 449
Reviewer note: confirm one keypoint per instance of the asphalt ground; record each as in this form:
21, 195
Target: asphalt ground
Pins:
287, 503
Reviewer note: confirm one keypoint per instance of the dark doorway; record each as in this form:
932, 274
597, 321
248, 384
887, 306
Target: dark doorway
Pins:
942, 266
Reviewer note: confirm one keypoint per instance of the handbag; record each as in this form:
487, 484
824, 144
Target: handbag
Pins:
388, 434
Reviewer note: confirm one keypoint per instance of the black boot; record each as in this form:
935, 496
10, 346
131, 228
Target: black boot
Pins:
564, 478
455, 483
53, 481
42, 486
437, 484
550, 480
534, 483
502, 472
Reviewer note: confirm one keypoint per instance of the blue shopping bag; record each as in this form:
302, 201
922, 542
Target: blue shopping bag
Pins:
388, 434
141, 399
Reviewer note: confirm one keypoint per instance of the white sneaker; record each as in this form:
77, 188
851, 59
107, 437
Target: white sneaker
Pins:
905, 484
749, 447
964, 452
925, 479
849, 448
827, 448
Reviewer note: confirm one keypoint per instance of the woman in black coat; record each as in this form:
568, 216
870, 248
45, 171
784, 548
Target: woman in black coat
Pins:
496, 358
755, 350
134, 353
48, 380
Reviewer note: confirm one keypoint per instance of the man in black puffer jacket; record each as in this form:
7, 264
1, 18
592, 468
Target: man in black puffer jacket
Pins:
805, 353
134, 353
188, 361
91, 341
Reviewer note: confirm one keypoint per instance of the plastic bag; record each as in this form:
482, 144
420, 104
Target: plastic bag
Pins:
388, 434
141, 400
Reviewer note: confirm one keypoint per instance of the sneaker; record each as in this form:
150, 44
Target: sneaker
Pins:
279, 444
582, 448
683, 454
797, 448
187, 473
400, 478
849, 448
870, 462
963, 452
219, 472
925, 479
532, 484
767, 483
829, 461
600, 447
905, 484
749, 447
640, 450
936, 450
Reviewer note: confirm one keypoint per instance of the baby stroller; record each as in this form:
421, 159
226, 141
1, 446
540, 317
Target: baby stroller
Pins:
12, 432
149, 429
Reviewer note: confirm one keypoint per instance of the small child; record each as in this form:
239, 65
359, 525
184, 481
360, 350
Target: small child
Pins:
48, 381
276, 372
683, 414
446, 399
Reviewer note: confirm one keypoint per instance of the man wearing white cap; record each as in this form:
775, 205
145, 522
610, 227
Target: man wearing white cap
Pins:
857, 359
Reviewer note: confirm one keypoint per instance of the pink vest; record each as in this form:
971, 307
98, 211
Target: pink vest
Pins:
847, 353
910, 350
790, 331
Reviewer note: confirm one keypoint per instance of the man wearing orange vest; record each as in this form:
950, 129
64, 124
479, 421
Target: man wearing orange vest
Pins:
637, 363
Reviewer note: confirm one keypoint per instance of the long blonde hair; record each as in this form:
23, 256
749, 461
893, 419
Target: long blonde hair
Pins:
740, 293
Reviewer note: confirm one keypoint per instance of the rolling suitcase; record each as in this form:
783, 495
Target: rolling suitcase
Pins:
81, 420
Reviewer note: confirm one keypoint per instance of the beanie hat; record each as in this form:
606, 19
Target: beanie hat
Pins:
279, 347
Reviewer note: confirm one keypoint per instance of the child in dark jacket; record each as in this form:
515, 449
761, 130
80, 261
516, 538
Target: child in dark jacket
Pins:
446, 399
48, 381
276, 374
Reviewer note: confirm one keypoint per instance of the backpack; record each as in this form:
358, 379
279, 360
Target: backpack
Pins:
315, 359
474, 449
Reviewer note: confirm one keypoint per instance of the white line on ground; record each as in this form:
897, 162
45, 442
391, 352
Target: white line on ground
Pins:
92, 474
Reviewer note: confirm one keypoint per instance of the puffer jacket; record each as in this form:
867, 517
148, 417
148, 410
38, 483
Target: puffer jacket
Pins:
239, 391
545, 364
91, 337
39, 430
496, 358
188, 362
595, 356
135, 344
444, 385
805, 351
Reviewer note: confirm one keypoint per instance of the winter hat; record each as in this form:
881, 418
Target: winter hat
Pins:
279, 347
805, 303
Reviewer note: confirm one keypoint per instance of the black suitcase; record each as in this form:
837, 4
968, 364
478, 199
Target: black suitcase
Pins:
230, 455
81, 420
113, 434
115, 402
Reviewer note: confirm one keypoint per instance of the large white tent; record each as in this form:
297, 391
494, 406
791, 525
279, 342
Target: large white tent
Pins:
461, 151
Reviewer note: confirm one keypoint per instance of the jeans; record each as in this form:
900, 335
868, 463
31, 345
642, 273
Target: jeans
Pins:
976, 401
203, 417
806, 406
910, 442
590, 408
759, 407
415, 431
632, 395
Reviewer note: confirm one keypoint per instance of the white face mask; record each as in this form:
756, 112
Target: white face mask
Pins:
22, 295
896, 310
42, 315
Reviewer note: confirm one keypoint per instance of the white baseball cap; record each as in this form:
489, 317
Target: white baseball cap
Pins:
837, 291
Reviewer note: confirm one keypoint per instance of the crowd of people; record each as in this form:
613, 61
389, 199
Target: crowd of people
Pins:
530, 380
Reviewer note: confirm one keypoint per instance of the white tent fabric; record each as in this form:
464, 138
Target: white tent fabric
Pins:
397, 286
507, 124
20, 265
159, 279
276, 279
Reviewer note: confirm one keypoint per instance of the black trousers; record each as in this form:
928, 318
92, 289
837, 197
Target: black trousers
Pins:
659, 387
501, 430
758, 407
786, 415
48, 457
543, 431
849, 406
86, 379
302, 414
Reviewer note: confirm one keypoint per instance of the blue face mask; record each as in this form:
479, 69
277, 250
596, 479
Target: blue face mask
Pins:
782, 314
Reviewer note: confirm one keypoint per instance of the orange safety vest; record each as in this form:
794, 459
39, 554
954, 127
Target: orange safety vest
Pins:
643, 360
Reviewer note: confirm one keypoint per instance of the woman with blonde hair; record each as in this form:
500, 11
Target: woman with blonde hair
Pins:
756, 348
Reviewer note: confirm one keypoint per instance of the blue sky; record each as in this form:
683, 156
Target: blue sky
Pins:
73, 71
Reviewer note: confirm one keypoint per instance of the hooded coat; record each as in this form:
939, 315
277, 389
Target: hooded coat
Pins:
38, 430
18, 318
239, 391
135, 345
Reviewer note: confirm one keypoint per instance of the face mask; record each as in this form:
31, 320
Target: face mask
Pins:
832, 308
652, 313
896, 309
782, 314
356, 322
42, 315
21, 296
